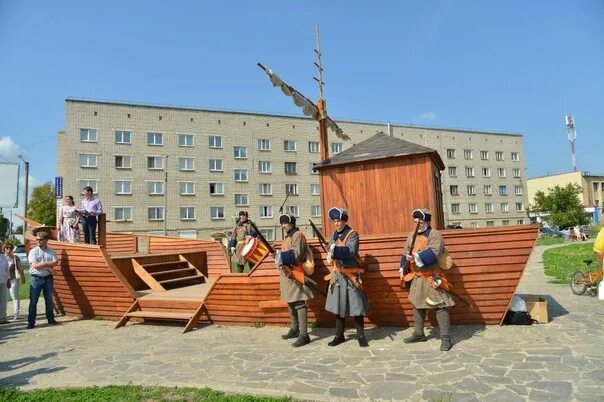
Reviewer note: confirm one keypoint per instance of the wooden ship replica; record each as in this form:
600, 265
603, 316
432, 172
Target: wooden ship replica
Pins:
379, 181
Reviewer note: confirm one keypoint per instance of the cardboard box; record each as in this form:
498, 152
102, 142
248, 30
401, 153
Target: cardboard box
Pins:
537, 308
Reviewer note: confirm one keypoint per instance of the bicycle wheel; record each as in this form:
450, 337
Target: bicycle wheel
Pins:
577, 283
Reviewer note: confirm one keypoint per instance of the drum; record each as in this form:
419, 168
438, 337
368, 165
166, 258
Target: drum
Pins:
254, 251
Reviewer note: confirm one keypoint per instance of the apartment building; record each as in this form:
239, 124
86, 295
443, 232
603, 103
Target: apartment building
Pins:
189, 171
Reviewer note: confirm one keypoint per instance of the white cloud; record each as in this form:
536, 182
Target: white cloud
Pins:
427, 116
9, 149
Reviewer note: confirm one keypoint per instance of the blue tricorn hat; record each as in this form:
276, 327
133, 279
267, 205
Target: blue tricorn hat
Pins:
287, 218
422, 214
338, 213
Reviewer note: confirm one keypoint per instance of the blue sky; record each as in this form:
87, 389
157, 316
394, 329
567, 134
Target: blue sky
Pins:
512, 66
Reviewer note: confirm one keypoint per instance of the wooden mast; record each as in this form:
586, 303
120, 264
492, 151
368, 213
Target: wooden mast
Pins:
323, 141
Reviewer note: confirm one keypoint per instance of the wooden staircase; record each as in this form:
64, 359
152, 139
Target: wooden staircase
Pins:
178, 291
161, 276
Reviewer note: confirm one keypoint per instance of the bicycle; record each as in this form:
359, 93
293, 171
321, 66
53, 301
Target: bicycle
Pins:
580, 281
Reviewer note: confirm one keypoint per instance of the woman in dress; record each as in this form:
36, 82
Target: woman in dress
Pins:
69, 219
17, 277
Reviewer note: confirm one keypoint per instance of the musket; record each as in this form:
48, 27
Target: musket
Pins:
356, 281
407, 268
289, 272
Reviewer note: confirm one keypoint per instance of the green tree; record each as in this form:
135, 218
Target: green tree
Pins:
18, 230
4, 227
42, 206
562, 204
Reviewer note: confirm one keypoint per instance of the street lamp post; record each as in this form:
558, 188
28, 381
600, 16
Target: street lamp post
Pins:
26, 189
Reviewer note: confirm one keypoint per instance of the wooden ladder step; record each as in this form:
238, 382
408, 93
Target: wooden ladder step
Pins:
184, 278
172, 271
163, 264
160, 314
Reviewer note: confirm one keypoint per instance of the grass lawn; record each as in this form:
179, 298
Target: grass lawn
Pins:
561, 262
126, 393
548, 240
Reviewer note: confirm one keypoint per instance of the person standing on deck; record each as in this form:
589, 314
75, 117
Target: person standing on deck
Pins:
241, 235
91, 209
345, 297
427, 277
295, 294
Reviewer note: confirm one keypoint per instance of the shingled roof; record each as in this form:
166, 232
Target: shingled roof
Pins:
380, 146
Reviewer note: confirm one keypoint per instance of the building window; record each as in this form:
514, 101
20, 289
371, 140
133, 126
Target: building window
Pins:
315, 189
315, 211
452, 171
518, 190
336, 148
490, 224
240, 152
454, 208
187, 234
155, 139
520, 222
123, 137
469, 172
88, 161
155, 162
240, 175
313, 147
155, 213
499, 155
215, 165
264, 145
471, 189
291, 189
265, 167
215, 142
90, 183
269, 234
486, 172
451, 153
488, 189
123, 187
515, 156
473, 208
155, 187
216, 213
503, 190
242, 200
519, 207
123, 162
500, 172
473, 225
187, 213
505, 222
186, 188
488, 208
292, 210
516, 172
454, 189
88, 135
216, 188
185, 140
266, 211
290, 168
289, 146
484, 155
122, 214
468, 154
505, 207
266, 189
186, 164
312, 168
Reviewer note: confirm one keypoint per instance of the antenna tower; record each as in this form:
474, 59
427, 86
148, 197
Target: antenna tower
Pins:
572, 136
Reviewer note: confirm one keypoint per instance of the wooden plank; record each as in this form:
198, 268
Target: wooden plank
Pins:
160, 315
148, 279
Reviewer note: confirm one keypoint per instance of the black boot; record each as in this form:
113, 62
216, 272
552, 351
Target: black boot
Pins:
362, 341
292, 333
302, 340
415, 338
337, 340
445, 343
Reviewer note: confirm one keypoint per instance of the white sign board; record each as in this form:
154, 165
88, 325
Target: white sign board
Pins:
9, 183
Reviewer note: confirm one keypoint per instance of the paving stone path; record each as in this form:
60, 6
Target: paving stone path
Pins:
562, 360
